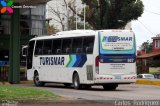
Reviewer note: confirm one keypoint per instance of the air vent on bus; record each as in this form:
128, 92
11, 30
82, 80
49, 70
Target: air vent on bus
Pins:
89, 72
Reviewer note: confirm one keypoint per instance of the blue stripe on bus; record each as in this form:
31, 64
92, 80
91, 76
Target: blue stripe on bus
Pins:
78, 60
83, 60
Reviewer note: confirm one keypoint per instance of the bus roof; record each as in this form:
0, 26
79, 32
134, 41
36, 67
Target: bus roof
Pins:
76, 33
66, 34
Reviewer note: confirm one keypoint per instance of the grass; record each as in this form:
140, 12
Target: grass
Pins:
25, 94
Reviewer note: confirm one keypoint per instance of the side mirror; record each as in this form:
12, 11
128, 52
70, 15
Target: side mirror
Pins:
24, 51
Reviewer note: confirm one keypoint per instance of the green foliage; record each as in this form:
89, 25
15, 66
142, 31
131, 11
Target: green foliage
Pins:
22, 94
146, 46
112, 14
139, 68
155, 63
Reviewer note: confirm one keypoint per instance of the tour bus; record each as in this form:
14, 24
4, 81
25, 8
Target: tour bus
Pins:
83, 58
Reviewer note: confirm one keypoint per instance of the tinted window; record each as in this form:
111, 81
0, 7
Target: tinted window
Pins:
139, 76
56, 46
47, 47
30, 54
88, 43
77, 45
67, 46
39, 47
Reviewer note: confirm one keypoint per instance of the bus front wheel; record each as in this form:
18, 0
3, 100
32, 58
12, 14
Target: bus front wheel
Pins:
36, 80
76, 81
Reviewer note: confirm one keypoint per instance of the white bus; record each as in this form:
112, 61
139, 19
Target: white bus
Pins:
83, 58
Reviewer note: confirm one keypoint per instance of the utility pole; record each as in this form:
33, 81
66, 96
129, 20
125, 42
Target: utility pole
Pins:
145, 63
145, 60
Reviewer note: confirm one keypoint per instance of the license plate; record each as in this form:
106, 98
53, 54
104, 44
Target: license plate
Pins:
117, 77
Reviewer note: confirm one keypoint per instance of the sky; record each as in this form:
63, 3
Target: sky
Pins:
148, 25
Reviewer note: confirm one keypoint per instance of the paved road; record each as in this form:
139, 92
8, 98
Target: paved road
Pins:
123, 92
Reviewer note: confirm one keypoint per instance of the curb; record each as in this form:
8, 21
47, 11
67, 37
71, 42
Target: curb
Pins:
21, 82
26, 82
4, 83
148, 82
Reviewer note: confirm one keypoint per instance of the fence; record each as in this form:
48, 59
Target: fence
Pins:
4, 69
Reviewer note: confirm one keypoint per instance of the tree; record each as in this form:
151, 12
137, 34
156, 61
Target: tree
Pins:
58, 15
111, 14
62, 14
80, 25
51, 29
66, 17
146, 46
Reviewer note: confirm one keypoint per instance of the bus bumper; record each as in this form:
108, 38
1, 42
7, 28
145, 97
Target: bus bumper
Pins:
121, 79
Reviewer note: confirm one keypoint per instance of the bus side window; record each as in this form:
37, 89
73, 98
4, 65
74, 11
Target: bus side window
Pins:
56, 46
88, 45
49, 52
67, 46
39, 47
68, 50
58, 51
78, 50
89, 49
47, 47
77, 45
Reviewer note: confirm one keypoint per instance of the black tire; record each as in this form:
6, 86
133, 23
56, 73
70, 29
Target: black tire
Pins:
110, 86
76, 81
36, 80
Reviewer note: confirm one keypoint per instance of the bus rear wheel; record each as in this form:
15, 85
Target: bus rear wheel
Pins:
76, 81
36, 80
110, 86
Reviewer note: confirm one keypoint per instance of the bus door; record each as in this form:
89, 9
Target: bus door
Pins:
30, 54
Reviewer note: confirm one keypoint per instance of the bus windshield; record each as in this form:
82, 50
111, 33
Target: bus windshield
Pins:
117, 43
